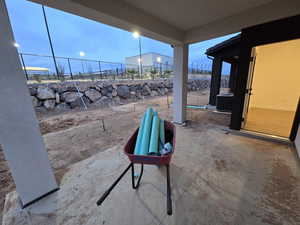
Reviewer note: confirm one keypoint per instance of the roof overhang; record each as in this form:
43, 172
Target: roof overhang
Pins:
176, 22
229, 43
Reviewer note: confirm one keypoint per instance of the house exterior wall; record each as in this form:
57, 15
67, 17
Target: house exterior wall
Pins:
149, 59
277, 63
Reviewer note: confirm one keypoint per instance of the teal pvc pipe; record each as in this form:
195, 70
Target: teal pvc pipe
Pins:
153, 146
139, 137
195, 107
146, 132
162, 140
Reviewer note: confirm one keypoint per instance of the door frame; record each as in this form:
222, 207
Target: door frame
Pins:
262, 34
248, 91
296, 123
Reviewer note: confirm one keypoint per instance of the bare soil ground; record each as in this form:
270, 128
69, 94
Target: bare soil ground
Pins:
76, 135
220, 179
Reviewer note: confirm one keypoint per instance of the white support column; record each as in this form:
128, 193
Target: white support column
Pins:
180, 83
20, 136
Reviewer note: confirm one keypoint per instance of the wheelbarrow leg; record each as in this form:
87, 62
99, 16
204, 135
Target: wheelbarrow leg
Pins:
104, 196
135, 186
169, 199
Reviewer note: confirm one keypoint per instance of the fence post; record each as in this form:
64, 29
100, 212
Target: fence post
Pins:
160, 70
122, 70
24, 67
82, 66
99, 64
70, 69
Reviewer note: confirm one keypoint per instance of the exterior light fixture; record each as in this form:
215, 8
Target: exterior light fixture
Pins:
81, 53
16, 45
136, 34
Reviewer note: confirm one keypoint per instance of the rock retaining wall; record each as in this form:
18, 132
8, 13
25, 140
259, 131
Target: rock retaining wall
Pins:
67, 95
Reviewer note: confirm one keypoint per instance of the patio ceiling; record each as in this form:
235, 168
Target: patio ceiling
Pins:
177, 21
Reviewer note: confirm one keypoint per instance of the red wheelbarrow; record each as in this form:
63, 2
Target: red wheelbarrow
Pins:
163, 160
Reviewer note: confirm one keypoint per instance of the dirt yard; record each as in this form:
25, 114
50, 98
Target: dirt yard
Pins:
76, 135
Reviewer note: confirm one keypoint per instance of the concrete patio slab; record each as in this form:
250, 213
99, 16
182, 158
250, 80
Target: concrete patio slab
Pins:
217, 178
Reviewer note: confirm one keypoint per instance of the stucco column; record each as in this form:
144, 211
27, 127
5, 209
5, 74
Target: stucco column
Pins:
20, 136
180, 82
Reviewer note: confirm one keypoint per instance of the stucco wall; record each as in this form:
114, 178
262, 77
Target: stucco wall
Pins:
276, 79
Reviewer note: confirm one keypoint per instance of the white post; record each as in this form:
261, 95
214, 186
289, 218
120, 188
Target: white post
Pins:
180, 83
20, 136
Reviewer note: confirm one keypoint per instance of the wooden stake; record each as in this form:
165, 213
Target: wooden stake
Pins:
168, 100
103, 125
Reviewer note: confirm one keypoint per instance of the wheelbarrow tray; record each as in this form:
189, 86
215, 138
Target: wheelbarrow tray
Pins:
151, 159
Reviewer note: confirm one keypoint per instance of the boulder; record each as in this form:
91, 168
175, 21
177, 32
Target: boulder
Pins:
103, 101
137, 87
93, 94
114, 93
109, 94
109, 87
99, 85
139, 95
134, 87
35, 101
84, 86
161, 91
55, 86
62, 106
49, 104
116, 100
146, 90
115, 86
33, 91
106, 90
168, 84
44, 93
70, 97
65, 87
154, 93
57, 98
161, 85
79, 102
123, 91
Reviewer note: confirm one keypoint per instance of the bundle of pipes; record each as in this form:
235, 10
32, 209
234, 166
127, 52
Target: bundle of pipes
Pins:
151, 135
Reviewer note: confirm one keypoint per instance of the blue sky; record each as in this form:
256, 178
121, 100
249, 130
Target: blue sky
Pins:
72, 34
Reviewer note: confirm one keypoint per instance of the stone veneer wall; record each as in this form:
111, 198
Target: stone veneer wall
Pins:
67, 95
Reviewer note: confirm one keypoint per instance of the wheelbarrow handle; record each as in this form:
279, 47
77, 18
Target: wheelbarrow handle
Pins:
103, 197
169, 199
106, 193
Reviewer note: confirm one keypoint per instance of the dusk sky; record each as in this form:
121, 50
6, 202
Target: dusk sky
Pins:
72, 34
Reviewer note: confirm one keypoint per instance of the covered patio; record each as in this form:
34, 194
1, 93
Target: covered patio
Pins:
220, 178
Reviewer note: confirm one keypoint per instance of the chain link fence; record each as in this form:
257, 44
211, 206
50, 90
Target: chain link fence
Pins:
42, 68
